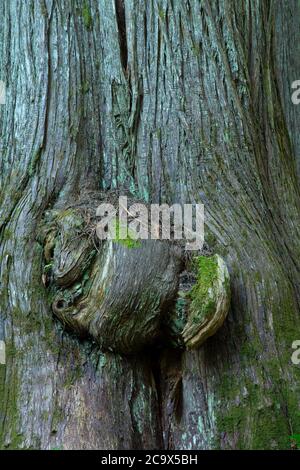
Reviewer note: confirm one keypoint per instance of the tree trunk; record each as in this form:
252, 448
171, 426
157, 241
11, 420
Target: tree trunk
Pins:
185, 101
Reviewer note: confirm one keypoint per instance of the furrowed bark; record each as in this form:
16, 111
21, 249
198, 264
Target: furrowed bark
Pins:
51, 147
193, 107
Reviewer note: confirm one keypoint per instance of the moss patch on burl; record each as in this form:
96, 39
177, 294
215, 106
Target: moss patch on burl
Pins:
202, 302
209, 300
206, 270
129, 241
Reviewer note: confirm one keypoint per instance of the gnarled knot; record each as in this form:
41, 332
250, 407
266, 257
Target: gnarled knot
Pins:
113, 291
125, 295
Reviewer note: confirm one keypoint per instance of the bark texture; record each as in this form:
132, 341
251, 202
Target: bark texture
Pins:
178, 101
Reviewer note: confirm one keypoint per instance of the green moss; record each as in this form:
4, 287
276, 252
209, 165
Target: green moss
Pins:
73, 376
34, 161
85, 87
57, 418
161, 14
295, 441
9, 400
206, 273
196, 49
48, 268
254, 419
271, 431
286, 324
45, 415
7, 235
129, 241
261, 410
87, 17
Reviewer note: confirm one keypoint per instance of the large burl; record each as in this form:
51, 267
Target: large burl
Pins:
125, 295
113, 291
